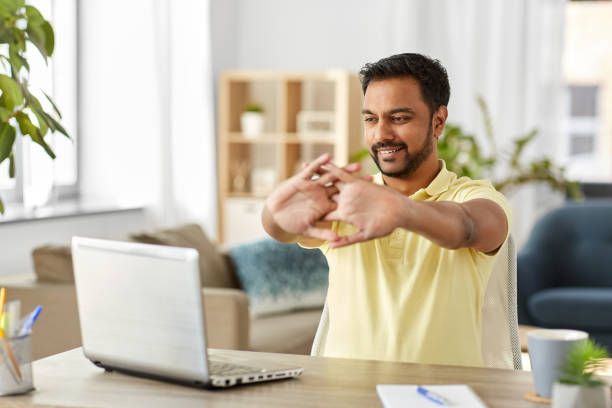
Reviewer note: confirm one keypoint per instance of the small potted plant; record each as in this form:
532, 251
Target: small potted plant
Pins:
252, 120
578, 386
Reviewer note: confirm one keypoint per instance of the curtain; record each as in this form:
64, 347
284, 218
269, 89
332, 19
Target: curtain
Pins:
187, 166
146, 109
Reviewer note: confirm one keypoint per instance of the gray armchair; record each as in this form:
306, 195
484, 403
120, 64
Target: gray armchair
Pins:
565, 271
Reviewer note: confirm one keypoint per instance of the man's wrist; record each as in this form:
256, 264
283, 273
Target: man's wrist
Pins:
404, 210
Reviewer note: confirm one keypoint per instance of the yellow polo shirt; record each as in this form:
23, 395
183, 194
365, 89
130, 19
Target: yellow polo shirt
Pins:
403, 297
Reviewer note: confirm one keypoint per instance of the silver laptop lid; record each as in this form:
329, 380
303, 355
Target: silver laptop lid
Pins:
140, 307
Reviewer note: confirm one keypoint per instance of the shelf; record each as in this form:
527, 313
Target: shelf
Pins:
324, 106
264, 138
311, 138
247, 194
289, 138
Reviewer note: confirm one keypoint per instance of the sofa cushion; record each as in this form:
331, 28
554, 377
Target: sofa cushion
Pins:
214, 268
280, 277
573, 308
53, 264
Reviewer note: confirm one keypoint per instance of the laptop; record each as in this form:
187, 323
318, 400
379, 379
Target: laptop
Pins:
141, 313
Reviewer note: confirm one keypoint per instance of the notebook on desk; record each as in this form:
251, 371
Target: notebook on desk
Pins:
141, 312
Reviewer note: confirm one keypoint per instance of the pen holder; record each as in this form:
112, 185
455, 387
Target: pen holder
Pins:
15, 365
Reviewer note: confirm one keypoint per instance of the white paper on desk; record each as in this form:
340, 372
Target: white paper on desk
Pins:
394, 396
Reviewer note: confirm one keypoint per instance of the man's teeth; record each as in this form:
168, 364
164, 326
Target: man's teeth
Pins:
390, 151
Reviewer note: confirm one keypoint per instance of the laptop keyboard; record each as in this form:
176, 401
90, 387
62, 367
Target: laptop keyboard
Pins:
225, 369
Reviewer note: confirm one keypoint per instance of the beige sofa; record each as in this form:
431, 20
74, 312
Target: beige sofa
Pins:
226, 307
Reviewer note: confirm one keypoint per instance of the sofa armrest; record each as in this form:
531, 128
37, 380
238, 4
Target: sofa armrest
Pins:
57, 329
227, 318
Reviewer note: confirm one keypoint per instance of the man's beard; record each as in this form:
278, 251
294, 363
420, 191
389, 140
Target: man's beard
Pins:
413, 160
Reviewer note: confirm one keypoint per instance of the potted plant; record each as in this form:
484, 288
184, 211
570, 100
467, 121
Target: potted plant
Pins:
252, 120
21, 27
578, 386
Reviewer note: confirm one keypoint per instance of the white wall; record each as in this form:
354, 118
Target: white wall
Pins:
300, 35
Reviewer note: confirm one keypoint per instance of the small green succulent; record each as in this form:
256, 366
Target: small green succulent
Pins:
582, 361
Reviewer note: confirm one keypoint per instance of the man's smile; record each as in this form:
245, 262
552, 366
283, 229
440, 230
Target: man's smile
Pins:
388, 152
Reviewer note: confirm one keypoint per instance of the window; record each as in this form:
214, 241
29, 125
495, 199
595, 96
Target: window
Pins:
587, 72
38, 178
583, 120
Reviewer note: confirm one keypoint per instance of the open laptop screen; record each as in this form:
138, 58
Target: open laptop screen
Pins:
140, 307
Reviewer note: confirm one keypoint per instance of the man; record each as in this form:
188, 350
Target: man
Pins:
410, 253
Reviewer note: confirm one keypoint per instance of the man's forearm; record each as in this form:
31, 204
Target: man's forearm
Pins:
274, 230
456, 225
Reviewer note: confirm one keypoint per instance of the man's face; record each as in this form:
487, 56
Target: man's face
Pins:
398, 126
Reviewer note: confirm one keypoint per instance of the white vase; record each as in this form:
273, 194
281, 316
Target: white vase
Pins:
575, 396
251, 124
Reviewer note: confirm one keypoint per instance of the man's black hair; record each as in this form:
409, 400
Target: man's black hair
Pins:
430, 74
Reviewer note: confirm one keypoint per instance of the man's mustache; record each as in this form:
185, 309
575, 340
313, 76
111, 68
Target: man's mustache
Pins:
382, 145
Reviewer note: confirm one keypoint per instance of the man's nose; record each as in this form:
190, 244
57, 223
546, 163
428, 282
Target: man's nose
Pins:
383, 132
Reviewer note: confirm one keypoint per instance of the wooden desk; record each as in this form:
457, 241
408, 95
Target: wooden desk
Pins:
69, 379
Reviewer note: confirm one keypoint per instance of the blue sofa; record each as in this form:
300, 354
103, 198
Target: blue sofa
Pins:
564, 277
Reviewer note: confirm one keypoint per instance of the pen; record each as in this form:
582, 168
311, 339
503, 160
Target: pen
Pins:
432, 396
29, 321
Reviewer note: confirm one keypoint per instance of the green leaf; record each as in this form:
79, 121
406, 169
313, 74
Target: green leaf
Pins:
25, 124
12, 165
520, 144
35, 105
33, 15
11, 92
28, 128
1, 207
40, 32
56, 126
41, 141
360, 155
36, 35
49, 38
7, 35
11, 6
582, 360
42, 124
7, 138
17, 60
59, 115
5, 114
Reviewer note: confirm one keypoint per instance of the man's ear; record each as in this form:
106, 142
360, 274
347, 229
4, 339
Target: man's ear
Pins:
439, 120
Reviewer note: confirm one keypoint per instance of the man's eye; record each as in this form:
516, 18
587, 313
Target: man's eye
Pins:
400, 118
369, 119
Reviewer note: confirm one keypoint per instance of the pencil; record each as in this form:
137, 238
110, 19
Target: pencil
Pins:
9, 352
2, 300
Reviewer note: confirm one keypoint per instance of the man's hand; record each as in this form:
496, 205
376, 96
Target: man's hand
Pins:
297, 204
372, 209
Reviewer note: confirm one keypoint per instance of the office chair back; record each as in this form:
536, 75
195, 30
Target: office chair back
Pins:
500, 337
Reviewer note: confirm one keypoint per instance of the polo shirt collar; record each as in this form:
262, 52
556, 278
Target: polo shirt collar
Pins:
438, 185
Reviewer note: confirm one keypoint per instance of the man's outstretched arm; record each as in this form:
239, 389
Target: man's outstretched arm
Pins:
377, 210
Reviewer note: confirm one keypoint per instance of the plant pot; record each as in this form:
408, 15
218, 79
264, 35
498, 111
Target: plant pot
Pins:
575, 396
251, 124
